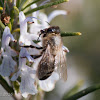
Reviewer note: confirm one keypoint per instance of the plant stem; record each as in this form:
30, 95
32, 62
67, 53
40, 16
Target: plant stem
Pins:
5, 85
45, 6
8, 88
83, 92
63, 34
74, 90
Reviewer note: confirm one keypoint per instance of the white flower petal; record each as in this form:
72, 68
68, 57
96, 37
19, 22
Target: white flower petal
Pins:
27, 85
34, 14
11, 36
29, 19
49, 84
10, 51
29, 70
33, 6
30, 59
23, 24
24, 54
65, 49
44, 20
25, 94
56, 13
15, 76
22, 61
5, 33
18, 95
35, 28
8, 66
29, 39
7, 36
25, 37
33, 51
21, 17
35, 65
33, 36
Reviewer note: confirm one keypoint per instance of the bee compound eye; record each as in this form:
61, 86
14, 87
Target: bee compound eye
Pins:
58, 31
50, 30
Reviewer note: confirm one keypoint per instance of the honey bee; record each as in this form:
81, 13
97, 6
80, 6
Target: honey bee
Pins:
53, 55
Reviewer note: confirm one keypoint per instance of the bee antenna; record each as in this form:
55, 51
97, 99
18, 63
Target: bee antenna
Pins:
39, 36
47, 22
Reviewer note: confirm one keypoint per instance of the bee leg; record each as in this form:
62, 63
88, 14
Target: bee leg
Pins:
36, 56
39, 48
65, 49
31, 46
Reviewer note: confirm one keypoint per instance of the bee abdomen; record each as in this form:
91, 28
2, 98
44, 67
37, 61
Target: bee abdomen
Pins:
46, 76
46, 65
45, 68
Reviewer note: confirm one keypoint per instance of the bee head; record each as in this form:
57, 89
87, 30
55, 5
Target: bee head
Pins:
50, 30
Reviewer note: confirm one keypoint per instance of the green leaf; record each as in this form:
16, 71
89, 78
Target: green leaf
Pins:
45, 6
21, 4
16, 10
64, 34
84, 92
30, 4
18, 3
73, 90
7, 8
14, 13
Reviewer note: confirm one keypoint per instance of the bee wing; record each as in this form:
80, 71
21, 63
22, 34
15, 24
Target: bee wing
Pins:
46, 65
61, 65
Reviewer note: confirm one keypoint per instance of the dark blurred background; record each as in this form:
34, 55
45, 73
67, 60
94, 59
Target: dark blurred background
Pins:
84, 57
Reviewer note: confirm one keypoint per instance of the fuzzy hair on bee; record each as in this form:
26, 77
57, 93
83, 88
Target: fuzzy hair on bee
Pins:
53, 55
